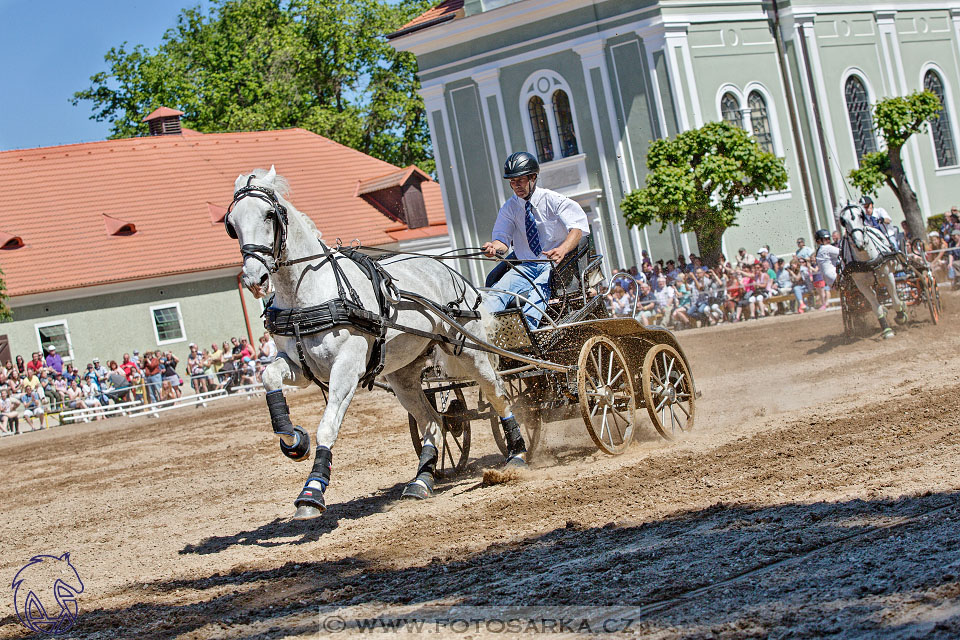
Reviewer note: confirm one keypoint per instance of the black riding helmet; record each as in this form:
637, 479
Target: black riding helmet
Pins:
823, 234
519, 164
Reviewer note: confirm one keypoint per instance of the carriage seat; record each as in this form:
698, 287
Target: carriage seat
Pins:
564, 277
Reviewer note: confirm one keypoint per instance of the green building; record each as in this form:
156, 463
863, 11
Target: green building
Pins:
587, 84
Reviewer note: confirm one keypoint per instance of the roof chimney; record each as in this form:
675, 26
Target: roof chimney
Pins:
164, 121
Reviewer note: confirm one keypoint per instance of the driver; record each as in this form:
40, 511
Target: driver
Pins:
540, 225
878, 218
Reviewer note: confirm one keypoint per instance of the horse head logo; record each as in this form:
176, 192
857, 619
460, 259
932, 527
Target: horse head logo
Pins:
45, 594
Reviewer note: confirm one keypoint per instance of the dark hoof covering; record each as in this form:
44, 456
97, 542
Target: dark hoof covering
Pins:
417, 490
900, 318
300, 450
307, 512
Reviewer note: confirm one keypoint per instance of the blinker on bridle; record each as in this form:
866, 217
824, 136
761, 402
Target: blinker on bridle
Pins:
277, 213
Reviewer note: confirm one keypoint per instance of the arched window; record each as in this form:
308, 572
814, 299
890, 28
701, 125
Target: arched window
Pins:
541, 129
760, 121
861, 121
730, 110
552, 113
565, 130
943, 142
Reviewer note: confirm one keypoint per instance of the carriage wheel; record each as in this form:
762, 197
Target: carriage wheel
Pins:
607, 400
531, 421
454, 442
668, 391
933, 297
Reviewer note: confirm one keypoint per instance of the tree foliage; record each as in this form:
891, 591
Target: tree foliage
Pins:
897, 119
265, 64
5, 314
699, 180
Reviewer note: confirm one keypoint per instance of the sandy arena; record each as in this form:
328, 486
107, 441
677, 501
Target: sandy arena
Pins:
819, 496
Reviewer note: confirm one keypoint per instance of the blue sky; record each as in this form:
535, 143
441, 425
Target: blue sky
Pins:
51, 48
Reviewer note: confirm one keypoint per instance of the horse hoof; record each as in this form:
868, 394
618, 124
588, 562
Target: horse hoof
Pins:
900, 318
516, 462
300, 450
307, 512
887, 334
416, 490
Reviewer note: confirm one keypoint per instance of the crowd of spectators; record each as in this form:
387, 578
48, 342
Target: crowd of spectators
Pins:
30, 390
685, 292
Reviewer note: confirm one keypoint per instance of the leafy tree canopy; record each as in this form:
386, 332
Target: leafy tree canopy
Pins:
699, 180
5, 314
264, 64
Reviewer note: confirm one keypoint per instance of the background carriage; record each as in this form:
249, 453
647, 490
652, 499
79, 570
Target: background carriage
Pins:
580, 364
916, 286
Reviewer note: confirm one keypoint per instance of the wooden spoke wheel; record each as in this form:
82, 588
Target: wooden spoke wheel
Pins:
933, 296
668, 391
607, 400
522, 393
454, 446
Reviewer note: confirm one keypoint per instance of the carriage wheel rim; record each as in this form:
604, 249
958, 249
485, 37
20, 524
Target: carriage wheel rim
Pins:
606, 395
668, 391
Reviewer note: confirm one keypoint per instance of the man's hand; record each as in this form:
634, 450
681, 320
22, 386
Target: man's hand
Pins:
556, 254
494, 248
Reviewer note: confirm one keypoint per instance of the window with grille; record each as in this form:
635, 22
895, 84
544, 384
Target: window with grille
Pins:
541, 129
730, 110
760, 121
564, 118
861, 120
58, 334
943, 143
167, 323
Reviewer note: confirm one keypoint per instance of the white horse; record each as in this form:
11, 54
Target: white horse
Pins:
870, 251
318, 342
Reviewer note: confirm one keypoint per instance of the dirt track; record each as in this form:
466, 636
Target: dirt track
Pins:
818, 497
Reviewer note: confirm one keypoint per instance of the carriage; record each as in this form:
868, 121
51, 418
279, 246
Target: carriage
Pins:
916, 287
579, 364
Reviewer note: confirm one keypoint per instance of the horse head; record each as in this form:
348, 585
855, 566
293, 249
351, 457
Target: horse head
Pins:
853, 220
257, 219
44, 582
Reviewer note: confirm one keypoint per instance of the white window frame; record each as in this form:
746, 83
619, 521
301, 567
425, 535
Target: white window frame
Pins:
531, 88
153, 323
52, 323
747, 123
954, 126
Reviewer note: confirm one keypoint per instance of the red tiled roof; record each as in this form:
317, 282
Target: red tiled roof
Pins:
443, 9
433, 230
116, 225
172, 189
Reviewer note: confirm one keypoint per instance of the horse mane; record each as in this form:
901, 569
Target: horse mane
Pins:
281, 187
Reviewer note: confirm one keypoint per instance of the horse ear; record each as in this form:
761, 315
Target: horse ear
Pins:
238, 183
270, 174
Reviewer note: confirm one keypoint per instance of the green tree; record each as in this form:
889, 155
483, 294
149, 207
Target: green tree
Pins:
699, 180
897, 119
5, 314
247, 65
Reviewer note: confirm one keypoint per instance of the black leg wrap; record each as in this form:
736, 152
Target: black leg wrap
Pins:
279, 413
311, 496
883, 323
513, 437
422, 486
280, 419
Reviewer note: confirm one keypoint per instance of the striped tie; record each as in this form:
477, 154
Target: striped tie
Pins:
533, 237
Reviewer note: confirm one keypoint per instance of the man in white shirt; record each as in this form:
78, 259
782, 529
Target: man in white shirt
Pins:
543, 226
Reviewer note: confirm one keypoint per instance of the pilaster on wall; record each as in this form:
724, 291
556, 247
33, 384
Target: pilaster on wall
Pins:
592, 57
436, 108
671, 41
897, 81
488, 84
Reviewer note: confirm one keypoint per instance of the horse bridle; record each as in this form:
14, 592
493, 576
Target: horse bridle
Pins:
851, 231
277, 213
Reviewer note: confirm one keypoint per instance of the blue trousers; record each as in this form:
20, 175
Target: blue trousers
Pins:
539, 273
